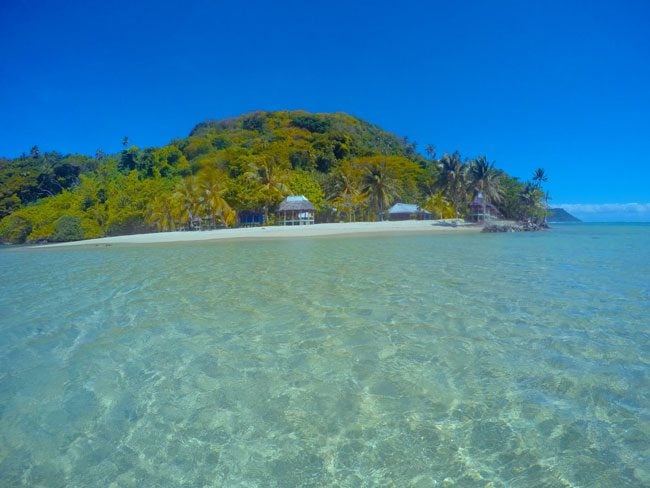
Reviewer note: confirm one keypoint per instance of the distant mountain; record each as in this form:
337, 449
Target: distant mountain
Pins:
561, 215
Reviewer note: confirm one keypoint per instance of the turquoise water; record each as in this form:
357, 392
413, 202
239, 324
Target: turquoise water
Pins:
480, 360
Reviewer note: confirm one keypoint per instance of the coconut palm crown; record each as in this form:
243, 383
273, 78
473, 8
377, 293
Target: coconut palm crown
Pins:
485, 179
453, 179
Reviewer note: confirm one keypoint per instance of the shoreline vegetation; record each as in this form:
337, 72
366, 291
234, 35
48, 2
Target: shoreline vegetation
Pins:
233, 172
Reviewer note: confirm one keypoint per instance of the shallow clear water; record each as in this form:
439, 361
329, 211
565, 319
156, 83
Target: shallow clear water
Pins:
432, 360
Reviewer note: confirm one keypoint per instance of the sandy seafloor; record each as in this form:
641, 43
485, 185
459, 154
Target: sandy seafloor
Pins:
411, 355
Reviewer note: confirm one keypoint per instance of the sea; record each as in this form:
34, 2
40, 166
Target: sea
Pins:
432, 360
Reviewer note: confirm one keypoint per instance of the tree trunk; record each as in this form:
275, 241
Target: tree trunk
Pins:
545, 208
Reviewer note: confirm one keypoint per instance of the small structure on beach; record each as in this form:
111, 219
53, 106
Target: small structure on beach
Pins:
250, 218
296, 210
407, 211
480, 210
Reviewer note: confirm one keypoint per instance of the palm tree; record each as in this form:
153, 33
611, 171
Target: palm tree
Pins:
453, 179
347, 194
531, 197
380, 185
160, 213
186, 202
486, 180
272, 181
438, 205
229, 217
212, 186
431, 151
539, 176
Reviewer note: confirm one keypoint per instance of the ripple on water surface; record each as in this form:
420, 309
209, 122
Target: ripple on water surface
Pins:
466, 360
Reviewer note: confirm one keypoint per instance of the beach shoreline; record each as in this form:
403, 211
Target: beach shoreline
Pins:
265, 232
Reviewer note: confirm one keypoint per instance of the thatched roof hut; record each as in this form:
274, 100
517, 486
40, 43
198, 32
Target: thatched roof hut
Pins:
481, 210
407, 211
296, 210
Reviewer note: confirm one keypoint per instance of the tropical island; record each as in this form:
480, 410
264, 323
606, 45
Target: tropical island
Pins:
237, 172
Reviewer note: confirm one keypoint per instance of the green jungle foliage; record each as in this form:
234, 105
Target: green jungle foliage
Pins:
348, 168
68, 228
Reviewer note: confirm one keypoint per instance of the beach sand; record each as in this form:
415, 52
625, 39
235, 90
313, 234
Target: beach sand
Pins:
316, 230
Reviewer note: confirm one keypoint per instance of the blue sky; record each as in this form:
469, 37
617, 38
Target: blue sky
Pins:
562, 85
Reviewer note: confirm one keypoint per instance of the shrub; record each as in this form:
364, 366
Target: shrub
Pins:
67, 228
255, 121
312, 123
15, 229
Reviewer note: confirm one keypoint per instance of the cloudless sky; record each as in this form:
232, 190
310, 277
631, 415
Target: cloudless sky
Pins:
563, 85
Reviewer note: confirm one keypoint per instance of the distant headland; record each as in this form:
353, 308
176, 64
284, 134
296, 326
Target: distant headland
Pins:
560, 215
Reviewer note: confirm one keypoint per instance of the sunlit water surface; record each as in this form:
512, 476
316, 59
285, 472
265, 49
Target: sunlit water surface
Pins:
431, 360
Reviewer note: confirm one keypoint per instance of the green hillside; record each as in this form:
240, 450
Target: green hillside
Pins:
349, 168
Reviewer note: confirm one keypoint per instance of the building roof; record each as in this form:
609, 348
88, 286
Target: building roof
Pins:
480, 205
479, 201
409, 208
295, 202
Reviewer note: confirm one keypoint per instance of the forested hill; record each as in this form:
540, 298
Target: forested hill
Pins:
326, 138
561, 215
349, 168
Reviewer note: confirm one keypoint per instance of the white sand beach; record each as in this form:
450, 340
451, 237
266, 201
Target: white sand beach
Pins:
316, 230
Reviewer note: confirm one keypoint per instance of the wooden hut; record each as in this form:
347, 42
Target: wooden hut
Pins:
480, 210
296, 210
407, 211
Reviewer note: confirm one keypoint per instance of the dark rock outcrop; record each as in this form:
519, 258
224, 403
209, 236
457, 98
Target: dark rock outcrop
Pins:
508, 226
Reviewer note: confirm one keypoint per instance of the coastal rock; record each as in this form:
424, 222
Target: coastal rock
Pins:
514, 226
503, 227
